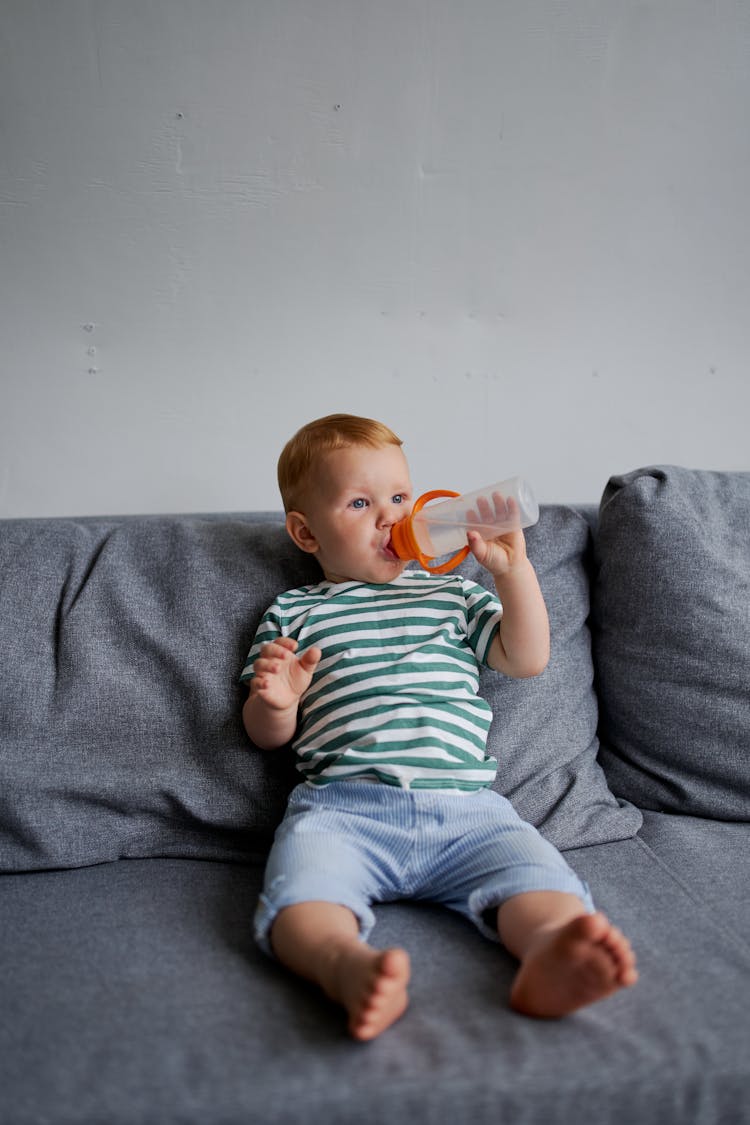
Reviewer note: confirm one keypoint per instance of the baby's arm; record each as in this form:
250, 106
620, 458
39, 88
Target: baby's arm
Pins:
279, 679
521, 645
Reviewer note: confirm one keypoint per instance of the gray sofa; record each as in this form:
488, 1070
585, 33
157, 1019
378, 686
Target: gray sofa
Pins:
135, 817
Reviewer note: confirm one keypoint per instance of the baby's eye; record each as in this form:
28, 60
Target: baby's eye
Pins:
398, 498
359, 503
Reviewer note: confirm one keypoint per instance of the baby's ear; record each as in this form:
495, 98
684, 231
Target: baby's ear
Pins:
296, 525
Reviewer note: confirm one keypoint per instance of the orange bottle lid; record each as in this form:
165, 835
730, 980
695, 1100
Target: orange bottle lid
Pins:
404, 541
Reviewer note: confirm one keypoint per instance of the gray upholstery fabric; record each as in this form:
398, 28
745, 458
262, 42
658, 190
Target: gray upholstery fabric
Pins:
120, 708
133, 995
132, 991
544, 729
122, 641
712, 860
671, 611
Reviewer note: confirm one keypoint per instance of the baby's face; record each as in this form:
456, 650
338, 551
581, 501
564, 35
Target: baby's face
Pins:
358, 494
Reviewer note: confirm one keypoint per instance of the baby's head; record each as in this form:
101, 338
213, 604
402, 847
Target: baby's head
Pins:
344, 482
301, 456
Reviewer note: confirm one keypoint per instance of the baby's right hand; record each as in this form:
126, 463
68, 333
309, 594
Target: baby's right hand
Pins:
279, 676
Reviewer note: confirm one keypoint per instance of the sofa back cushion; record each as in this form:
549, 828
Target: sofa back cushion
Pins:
671, 611
544, 732
119, 703
120, 728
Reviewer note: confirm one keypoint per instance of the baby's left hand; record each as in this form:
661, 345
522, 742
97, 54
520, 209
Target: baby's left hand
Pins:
505, 552
498, 556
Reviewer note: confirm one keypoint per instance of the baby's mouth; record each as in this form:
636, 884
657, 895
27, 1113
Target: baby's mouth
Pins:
388, 548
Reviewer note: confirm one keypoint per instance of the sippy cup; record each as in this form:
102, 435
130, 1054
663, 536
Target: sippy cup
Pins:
428, 533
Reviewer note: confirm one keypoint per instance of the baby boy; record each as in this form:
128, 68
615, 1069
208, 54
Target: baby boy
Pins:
372, 674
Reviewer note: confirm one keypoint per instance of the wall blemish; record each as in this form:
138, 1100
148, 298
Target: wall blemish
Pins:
91, 352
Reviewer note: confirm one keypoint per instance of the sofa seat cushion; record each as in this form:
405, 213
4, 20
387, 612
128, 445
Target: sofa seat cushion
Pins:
711, 858
132, 992
671, 613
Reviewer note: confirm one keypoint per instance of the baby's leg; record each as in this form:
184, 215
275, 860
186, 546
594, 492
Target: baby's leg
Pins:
320, 941
568, 958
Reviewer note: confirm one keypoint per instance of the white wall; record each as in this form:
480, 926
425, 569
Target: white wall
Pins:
516, 232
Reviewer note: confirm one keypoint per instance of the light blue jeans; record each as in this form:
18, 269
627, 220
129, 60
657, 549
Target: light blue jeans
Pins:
356, 843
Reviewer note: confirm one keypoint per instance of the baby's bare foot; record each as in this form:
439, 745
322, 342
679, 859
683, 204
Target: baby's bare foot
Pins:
585, 960
372, 986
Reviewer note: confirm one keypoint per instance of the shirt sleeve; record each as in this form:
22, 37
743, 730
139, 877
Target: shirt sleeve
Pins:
270, 626
483, 614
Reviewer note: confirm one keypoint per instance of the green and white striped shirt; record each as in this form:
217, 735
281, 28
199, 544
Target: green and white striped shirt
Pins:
395, 695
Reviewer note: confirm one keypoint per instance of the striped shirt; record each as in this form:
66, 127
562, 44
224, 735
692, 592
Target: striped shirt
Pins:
395, 696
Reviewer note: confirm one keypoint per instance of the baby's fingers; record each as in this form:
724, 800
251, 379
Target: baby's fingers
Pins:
280, 649
259, 684
264, 669
286, 642
310, 658
477, 545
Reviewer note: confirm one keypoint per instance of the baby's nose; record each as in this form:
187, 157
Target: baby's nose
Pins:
388, 515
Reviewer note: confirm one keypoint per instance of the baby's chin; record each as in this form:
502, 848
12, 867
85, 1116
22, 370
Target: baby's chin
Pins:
379, 573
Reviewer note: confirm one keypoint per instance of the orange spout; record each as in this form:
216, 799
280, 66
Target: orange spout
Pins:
405, 544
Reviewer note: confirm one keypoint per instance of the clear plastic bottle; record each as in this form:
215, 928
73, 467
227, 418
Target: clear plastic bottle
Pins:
430, 532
